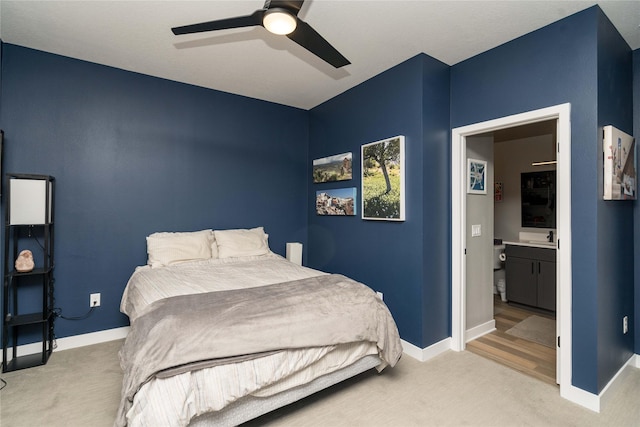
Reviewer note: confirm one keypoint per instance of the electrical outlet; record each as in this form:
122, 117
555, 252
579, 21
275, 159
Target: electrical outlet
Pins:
94, 300
625, 324
380, 295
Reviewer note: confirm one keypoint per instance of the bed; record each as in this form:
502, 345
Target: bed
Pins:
223, 330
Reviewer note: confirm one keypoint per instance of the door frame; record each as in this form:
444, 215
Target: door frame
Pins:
562, 113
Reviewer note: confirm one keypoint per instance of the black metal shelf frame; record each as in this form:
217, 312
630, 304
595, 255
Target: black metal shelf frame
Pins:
15, 322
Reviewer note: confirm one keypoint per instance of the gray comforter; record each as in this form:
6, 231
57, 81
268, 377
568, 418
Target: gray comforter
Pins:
194, 331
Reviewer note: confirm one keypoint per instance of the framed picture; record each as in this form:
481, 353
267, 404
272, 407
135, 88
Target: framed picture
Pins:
383, 180
337, 201
620, 176
476, 176
333, 168
497, 192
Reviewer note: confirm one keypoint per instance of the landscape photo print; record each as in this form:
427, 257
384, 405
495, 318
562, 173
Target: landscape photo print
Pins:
333, 168
337, 201
383, 180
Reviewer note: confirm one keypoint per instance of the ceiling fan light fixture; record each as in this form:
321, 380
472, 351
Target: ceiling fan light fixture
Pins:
279, 21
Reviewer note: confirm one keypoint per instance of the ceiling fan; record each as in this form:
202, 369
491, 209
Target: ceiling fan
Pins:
279, 17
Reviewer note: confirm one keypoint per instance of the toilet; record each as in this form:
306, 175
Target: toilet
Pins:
499, 282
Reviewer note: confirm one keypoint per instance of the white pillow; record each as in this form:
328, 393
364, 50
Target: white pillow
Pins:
170, 248
241, 242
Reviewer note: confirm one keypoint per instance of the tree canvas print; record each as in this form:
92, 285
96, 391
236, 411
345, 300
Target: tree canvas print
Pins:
383, 180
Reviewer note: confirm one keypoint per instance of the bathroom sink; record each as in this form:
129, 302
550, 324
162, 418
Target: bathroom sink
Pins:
541, 242
526, 238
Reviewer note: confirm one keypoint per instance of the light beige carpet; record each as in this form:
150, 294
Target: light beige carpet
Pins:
81, 387
537, 329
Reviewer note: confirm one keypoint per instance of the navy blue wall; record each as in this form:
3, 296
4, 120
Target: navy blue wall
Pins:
554, 65
132, 155
436, 202
408, 261
636, 133
1, 54
615, 218
551, 66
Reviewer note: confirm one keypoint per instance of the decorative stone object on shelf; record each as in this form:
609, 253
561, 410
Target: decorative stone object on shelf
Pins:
24, 262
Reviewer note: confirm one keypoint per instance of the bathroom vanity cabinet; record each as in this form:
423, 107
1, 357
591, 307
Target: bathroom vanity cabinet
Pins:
531, 276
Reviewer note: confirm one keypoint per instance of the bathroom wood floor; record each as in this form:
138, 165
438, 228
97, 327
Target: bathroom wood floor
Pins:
525, 356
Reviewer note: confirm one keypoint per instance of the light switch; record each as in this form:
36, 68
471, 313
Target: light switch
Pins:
476, 230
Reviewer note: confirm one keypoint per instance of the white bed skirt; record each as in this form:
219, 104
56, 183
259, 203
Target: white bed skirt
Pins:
251, 407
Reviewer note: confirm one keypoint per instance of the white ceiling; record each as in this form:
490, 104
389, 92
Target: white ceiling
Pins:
374, 35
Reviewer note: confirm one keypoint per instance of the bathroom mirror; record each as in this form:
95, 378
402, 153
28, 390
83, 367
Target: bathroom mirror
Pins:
538, 195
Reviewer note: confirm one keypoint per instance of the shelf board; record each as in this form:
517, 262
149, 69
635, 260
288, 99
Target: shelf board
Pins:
28, 319
33, 272
28, 361
42, 224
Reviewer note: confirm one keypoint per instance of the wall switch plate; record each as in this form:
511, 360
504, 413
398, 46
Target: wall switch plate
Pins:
476, 230
380, 295
94, 300
625, 324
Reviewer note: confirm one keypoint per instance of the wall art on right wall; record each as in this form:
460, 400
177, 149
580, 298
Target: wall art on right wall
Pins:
620, 177
383, 180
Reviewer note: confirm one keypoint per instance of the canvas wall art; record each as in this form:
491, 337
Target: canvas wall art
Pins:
333, 168
620, 177
383, 180
336, 201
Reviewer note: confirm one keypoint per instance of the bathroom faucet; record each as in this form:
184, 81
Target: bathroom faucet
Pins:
550, 236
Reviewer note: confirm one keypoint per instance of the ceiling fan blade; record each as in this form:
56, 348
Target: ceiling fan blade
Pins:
309, 39
222, 24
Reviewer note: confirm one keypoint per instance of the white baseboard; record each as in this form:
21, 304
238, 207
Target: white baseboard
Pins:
596, 402
617, 381
424, 354
581, 397
75, 341
480, 330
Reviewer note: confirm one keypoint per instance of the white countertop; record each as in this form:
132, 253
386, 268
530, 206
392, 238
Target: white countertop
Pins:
533, 244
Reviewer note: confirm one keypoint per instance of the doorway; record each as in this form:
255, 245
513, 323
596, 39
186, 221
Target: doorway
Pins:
520, 333
459, 227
